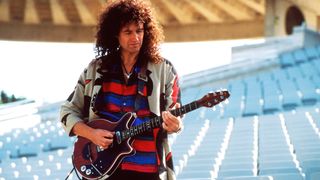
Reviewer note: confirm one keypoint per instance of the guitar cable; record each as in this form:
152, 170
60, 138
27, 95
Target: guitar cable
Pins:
69, 174
73, 169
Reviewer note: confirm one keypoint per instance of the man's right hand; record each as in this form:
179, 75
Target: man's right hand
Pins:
100, 137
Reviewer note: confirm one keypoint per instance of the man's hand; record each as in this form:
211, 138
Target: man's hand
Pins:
171, 123
100, 137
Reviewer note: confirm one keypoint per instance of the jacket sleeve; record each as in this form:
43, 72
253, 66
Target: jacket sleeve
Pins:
71, 111
172, 92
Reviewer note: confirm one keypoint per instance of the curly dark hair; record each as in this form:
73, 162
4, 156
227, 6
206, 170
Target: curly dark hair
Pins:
118, 14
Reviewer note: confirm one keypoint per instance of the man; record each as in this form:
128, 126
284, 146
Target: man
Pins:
128, 75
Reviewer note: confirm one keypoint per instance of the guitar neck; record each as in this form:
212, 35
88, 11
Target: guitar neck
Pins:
157, 121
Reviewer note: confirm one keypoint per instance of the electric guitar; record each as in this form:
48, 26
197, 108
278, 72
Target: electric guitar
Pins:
95, 163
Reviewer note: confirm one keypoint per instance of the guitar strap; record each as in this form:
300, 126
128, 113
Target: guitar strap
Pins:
142, 80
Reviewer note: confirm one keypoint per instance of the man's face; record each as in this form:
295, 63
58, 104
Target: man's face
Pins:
131, 37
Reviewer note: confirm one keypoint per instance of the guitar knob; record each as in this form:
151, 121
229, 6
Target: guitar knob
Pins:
83, 168
88, 172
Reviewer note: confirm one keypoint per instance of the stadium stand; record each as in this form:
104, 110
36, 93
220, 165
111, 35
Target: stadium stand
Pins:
269, 129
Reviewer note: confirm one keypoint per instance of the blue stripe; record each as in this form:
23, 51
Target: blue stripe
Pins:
114, 117
118, 100
142, 158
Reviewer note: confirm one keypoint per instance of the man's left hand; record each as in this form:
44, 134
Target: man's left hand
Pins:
171, 123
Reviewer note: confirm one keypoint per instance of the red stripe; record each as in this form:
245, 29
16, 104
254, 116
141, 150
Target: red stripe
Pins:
114, 108
139, 168
116, 88
175, 92
142, 113
155, 134
145, 90
144, 146
169, 156
87, 81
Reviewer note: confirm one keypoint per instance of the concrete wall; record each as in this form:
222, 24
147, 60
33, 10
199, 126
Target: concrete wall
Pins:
275, 19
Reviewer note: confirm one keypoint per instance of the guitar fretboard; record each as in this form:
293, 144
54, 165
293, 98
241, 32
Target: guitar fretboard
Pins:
156, 121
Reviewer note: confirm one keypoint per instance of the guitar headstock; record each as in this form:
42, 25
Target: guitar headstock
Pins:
213, 98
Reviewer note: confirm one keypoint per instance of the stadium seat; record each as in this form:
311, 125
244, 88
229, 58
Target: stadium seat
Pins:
277, 170
291, 98
287, 60
293, 72
300, 56
287, 176
308, 90
308, 70
230, 173
271, 100
312, 53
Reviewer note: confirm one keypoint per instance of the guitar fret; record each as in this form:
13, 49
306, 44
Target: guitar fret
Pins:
140, 129
148, 125
135, 130
190, 107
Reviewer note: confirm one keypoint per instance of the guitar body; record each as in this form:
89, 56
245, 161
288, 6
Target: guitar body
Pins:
94, 163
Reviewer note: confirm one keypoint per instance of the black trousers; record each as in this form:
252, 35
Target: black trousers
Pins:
132, 175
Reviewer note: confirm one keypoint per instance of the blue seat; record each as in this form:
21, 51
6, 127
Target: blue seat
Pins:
194, 175
235, 173
316, 81
293, 72
253, 96
318, 49
310, 166
316, 64
236, 166
3, 155
265, 76
308, 70
288, 176
277, 164
287, 60
300, 56
312, 52
291, 98
313, 176
308, 90
246, 178
280, 74
29, 150
272, 171
271, 100
233, 109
